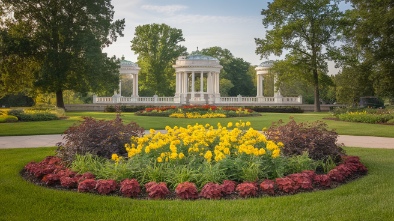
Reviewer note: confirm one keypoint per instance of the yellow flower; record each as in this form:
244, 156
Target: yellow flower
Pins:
248, 124
208, 156
159, 159
230, 124
181, 156
115, 157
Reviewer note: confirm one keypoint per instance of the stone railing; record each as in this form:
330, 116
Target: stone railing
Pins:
220, 100
132, 100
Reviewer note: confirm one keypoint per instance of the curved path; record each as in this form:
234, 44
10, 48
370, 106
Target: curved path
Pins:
7, 142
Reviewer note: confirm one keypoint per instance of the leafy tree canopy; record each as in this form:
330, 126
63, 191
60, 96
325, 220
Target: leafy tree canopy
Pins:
306, 29
234, 69
157, 46
62, 41
368, 48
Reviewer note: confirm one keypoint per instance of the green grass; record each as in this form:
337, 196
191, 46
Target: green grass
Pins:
368, 198
59, 126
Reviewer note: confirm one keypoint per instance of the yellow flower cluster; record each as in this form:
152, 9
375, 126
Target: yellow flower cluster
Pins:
116, 158
197, 115
204, 142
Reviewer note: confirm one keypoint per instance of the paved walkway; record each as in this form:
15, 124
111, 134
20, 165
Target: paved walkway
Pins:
51, 140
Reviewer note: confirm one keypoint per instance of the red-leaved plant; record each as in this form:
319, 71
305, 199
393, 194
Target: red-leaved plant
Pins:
51, 179
268, 187
285, 184
69, 182
322, 180
130, 188
301, 181
88, 185
211, 191
157, 190
186, 190
247, 189
105, 187
228, 187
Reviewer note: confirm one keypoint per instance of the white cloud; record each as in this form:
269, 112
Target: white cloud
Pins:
164, 9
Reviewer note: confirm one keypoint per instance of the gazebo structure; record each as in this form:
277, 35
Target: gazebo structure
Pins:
197, 79
197, 82
129, 70
262, 70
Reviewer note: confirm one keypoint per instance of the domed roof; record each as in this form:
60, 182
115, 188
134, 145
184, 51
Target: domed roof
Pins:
125, 63
267, 63
200, 57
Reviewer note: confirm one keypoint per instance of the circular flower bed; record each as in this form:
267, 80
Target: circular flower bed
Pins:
199, 161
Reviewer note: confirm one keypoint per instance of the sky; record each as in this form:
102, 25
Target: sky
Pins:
229, 24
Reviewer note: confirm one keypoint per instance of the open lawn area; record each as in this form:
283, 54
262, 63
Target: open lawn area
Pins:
59, 126
368, 198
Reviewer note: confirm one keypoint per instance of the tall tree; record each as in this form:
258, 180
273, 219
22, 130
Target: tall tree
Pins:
157, 46
234, 69
66, 39
369, 29
306, 29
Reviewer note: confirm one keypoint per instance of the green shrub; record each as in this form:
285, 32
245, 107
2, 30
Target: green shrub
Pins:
276, 109
111, 108
299, 163
8, 119
366, 117
38, 113
314, 138
97, 137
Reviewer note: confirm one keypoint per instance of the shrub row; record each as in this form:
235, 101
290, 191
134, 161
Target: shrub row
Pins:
52, 172
22, 116
111, 108
276, 109
122, 108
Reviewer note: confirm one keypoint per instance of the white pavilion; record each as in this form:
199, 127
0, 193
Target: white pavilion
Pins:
197, 82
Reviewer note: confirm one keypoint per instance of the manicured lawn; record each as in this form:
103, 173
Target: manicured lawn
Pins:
369, 198
59, 126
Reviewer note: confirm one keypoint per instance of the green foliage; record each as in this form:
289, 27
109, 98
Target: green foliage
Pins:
234, 69
304, 28
37, 113
18, 100
58, 45
299, 163
276, 109
157, 46
97, 137
372, 117
111, 108
368, 31
314, 138
8, 119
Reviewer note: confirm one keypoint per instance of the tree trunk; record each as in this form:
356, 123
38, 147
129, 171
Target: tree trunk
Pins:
317, 94
59, 99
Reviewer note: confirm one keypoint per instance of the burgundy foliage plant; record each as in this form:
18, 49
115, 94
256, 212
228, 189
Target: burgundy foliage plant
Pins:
186, 190
247, 189
130, 188
157, 190
211, 191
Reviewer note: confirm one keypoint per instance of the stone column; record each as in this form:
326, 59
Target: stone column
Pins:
192, 93
201, 86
